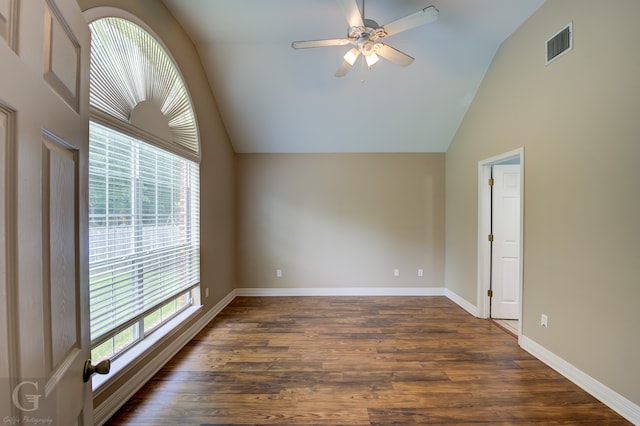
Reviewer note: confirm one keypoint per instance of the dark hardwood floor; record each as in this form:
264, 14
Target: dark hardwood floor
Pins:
357, 361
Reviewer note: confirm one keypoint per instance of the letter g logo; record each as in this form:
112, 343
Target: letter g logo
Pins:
34, 399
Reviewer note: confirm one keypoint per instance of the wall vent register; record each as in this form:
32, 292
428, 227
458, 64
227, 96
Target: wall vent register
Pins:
560, 43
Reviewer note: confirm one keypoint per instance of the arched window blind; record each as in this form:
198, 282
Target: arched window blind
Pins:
144, 210
129, 67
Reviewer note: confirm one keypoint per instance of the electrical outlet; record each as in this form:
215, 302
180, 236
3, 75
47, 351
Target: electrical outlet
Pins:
206, 292
279, 273
544, 320
420, 272
396, 272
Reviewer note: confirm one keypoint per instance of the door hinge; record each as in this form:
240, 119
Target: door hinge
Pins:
490, 293
491, 237
491, 182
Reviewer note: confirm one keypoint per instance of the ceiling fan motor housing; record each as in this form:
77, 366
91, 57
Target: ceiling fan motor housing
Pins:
365, 37
370, 31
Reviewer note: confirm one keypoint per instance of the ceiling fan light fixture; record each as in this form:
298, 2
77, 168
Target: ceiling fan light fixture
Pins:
351, 56
372, 59
364, 34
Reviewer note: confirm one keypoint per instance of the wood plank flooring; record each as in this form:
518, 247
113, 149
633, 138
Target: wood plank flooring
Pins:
357, 361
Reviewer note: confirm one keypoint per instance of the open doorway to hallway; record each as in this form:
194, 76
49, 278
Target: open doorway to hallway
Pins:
500, 225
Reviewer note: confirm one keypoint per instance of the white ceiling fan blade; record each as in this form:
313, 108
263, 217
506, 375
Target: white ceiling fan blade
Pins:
349, 59
319, 43
351, 12
393, 55
424, 16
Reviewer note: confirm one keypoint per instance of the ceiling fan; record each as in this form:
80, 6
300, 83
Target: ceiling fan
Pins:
365, 34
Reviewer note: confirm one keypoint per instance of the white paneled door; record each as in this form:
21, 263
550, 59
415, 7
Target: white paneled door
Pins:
505, 257
44, 59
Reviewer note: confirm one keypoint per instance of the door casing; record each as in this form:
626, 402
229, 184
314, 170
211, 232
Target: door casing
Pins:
484, 229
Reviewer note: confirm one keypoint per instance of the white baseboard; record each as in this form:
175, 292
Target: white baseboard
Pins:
342, 291
463, 303
111, 404
606, 395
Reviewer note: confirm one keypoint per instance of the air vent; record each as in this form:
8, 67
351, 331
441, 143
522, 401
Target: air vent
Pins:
560, 43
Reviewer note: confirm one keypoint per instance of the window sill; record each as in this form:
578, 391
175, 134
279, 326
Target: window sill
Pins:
124, 363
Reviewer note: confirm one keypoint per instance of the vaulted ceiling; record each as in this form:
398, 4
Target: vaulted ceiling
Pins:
273, 98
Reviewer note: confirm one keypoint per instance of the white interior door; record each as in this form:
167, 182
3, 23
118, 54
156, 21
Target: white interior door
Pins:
44, 57
505, 258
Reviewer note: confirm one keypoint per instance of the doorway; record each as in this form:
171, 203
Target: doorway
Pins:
500, 242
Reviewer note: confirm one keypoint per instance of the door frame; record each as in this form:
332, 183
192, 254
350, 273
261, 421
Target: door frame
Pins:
484, 229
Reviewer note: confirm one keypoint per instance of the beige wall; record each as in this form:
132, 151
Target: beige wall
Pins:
340, 220
217, 167
578, 120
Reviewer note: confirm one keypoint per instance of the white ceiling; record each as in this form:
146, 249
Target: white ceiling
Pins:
273, 98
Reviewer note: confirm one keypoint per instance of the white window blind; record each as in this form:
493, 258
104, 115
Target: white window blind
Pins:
128, 66
143, 229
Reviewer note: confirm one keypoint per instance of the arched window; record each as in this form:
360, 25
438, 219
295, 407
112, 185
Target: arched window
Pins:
144, 214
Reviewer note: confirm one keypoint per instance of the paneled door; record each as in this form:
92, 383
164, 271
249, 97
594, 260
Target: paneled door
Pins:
44, 60
505, 256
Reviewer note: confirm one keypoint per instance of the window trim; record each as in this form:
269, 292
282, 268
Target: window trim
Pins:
140, 317
127, 361
180, 321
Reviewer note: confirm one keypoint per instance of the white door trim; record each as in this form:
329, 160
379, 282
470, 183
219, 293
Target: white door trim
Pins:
484, 229
9, 353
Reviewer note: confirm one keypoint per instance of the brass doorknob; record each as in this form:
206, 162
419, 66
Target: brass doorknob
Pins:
102, 367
